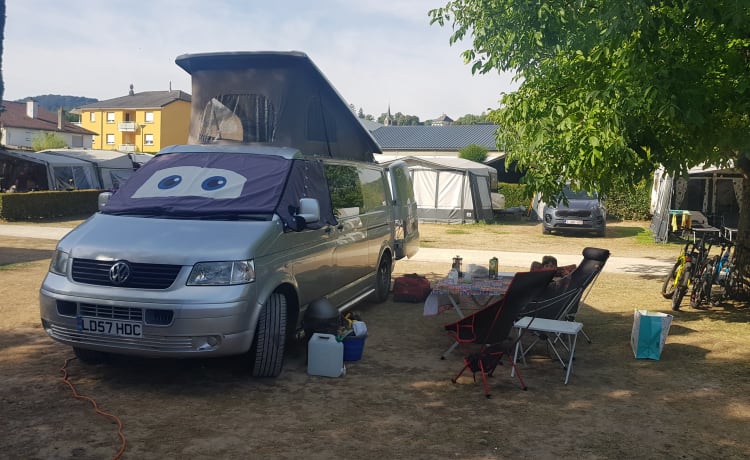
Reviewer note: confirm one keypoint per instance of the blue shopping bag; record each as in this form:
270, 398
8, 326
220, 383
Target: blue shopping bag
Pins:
650, 330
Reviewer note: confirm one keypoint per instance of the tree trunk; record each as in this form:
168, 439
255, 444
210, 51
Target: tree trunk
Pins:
741, 286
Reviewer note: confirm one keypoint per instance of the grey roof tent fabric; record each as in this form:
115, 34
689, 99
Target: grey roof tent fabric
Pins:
452, 190
112, 167
43, 171
272, 98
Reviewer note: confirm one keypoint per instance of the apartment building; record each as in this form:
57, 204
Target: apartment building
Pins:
139, 122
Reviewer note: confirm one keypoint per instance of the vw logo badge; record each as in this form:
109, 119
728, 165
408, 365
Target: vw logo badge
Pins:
119, 272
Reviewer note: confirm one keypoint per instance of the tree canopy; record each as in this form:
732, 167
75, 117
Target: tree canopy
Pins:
612, 89
47, 140
473, 152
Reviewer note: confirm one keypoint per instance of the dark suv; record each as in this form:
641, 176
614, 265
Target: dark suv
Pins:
583, 213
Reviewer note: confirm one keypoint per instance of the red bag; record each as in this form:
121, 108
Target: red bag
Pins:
411, 288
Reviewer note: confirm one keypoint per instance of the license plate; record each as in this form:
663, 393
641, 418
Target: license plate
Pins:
110, 327
573, 222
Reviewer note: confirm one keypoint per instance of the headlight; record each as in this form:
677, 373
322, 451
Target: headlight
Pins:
222, 273
59, 262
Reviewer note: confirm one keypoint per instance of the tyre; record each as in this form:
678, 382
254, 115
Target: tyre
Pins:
383, 279
267, 352
682, 286
667, 288
90, 356
704, 283
679, 293
545, 230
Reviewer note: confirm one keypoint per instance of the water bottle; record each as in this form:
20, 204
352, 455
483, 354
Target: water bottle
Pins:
453, 276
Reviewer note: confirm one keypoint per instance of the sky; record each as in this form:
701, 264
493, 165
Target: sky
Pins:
376, 53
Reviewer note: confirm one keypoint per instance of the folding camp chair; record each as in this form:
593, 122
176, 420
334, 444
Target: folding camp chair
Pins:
483, 334
560, 301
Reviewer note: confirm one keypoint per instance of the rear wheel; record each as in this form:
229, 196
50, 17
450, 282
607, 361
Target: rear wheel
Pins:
668, 287
90, 356
267, 351
383, 279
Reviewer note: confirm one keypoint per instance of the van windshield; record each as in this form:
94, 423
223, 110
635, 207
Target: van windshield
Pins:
216, 186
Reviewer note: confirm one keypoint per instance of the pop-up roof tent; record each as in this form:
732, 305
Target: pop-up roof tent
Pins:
714, 192
113, 167
272, 98
43, 171
452, 190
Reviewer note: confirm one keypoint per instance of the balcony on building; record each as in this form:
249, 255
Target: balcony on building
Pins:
127, 126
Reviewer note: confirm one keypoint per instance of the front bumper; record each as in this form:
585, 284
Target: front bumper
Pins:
169, 331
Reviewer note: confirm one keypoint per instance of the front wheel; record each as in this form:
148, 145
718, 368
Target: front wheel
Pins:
702, 288
267, 352
679, 293
682, 285
668, 287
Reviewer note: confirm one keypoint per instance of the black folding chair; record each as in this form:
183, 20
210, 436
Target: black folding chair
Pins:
561, 299
485, 334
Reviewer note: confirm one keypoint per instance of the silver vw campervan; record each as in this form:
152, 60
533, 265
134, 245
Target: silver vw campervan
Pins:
216, 248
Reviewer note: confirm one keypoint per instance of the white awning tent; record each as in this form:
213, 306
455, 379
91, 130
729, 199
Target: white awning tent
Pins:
27, 171
113, 168
452, 190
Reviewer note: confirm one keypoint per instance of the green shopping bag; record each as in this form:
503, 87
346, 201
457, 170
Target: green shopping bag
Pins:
649, 333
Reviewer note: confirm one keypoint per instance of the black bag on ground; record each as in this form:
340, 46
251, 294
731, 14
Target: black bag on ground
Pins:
411, 288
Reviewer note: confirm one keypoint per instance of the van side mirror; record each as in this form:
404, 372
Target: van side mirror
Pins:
103, 199
308, 213
309, 209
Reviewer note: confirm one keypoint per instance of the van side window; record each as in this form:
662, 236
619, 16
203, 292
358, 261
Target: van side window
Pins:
345, 189
373, 190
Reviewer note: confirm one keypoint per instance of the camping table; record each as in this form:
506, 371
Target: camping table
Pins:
555, 328
478, 288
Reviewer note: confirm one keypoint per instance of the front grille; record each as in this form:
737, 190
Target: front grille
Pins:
148, 316
573, 213
142, 276
104, 311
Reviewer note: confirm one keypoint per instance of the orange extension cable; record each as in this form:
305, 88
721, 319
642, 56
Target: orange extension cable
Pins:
65, 379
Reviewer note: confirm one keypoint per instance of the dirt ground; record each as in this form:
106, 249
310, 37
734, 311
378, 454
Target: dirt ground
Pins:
398, 400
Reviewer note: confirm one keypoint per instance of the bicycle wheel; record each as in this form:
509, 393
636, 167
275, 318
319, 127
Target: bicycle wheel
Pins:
668, 287
701, 290
682, 285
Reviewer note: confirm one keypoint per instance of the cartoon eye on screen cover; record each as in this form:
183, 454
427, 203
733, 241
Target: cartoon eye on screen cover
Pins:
192, 181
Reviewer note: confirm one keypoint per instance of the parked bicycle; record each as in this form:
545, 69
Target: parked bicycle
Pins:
716, 270
680, 278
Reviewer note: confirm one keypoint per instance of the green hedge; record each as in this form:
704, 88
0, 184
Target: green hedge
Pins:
515, 194
632, 204
621, 204
48, 204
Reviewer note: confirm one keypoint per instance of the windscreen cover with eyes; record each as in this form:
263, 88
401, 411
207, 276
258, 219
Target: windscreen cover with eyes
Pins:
272, 98
222, 186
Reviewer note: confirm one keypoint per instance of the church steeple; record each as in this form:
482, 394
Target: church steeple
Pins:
388, 118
